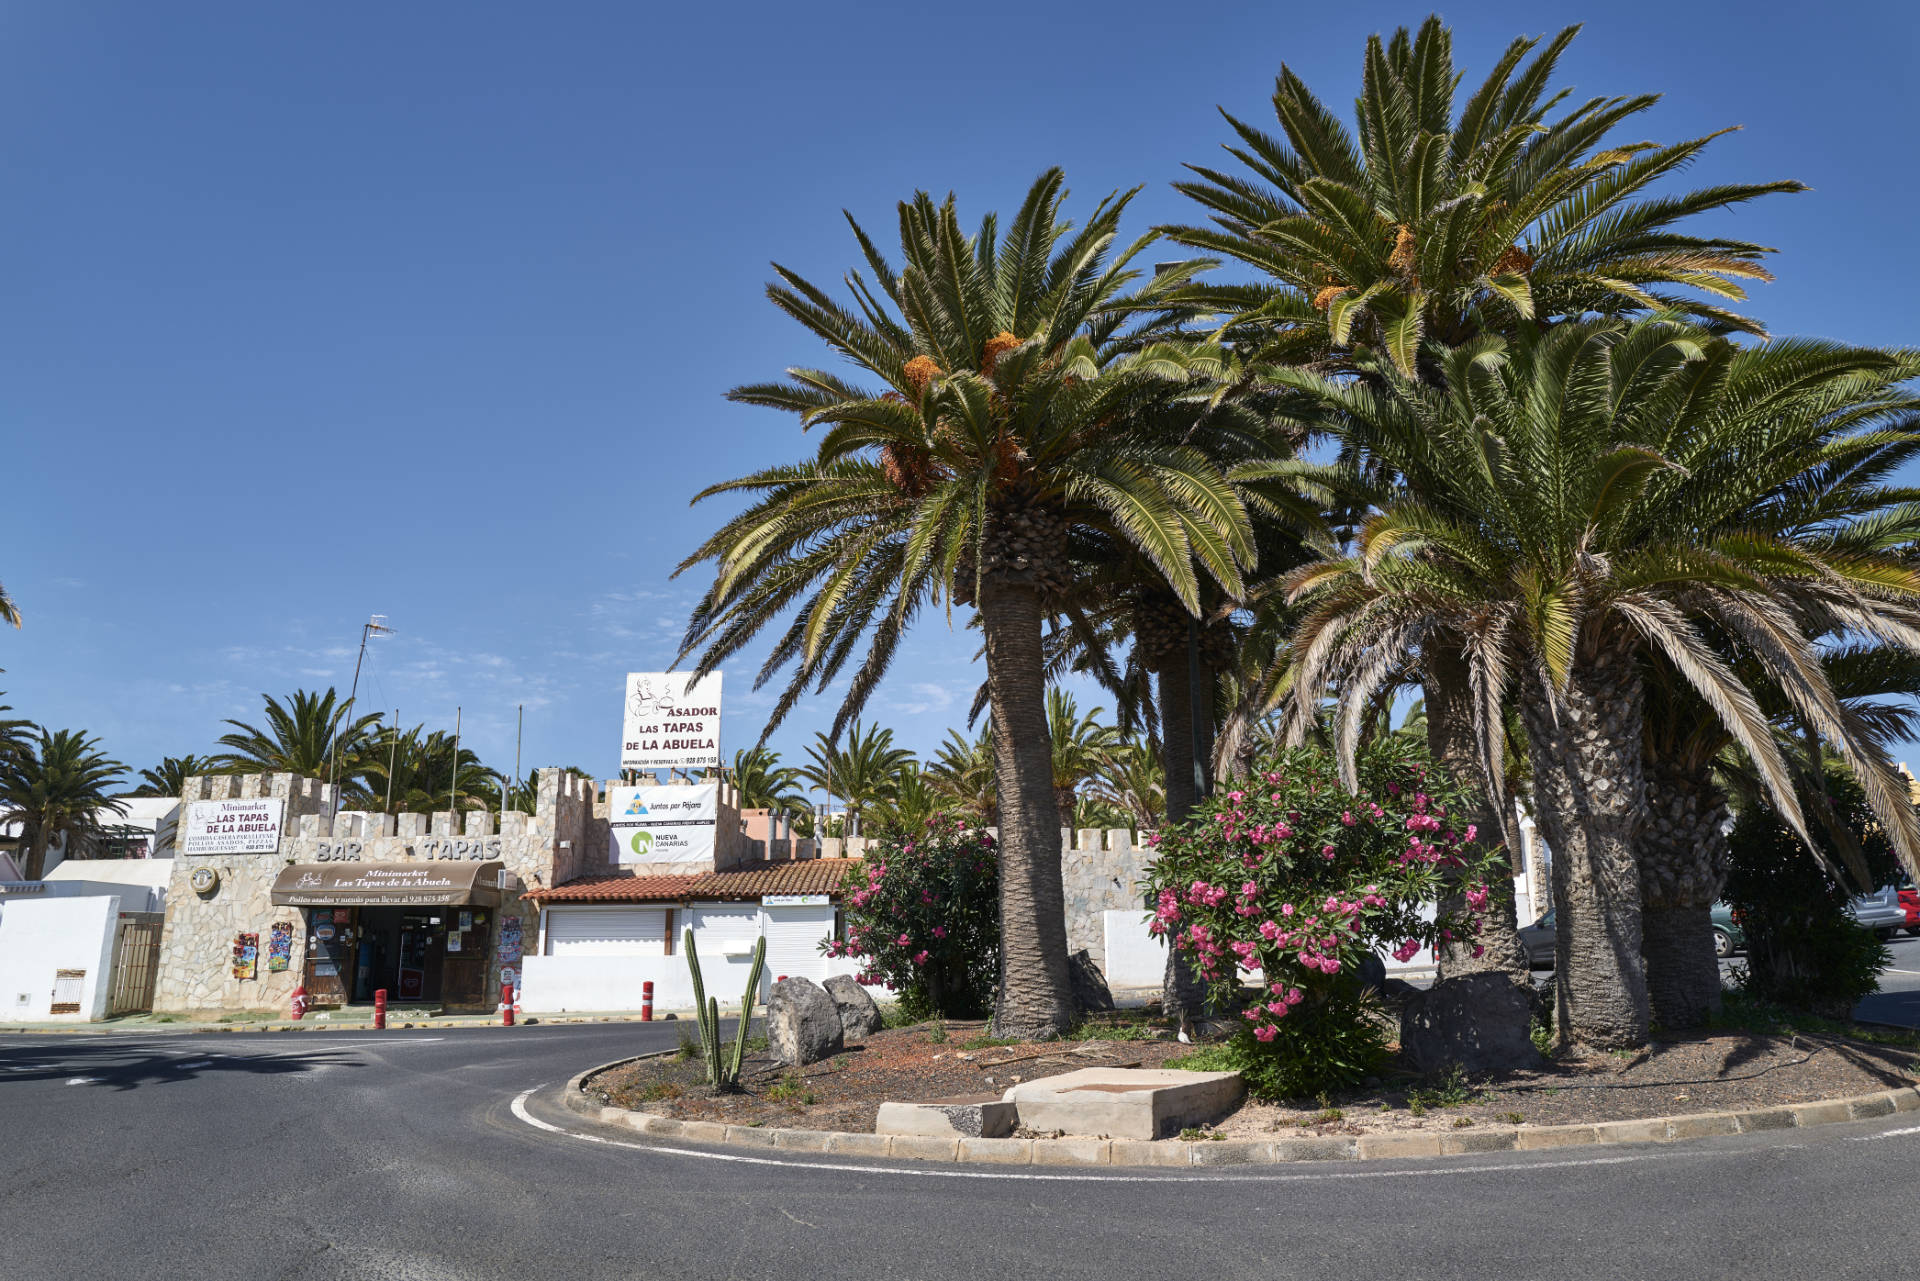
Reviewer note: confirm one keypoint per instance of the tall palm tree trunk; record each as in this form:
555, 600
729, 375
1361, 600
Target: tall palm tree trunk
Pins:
1181, 994
1588, 769
1451, 740
1683, 860
1035, 999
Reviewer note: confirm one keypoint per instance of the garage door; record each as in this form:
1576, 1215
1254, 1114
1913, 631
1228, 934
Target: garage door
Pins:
606, 931
725, 929
794, 935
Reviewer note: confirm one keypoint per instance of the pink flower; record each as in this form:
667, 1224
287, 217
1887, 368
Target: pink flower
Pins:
1286, 909
1405, 951
1346, 816
939, 931
903, 940
1295, 996
1478, 951
1265, 1032
919, 958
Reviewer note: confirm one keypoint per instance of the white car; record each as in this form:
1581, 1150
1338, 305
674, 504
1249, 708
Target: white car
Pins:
1880, 911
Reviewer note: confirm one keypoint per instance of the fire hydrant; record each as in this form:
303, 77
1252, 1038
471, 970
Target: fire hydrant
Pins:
299, 1002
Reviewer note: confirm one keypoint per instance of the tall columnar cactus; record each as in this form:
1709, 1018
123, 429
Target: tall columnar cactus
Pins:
723, 1076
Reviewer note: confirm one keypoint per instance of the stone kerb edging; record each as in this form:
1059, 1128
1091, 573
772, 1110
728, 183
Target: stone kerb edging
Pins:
1177, 1152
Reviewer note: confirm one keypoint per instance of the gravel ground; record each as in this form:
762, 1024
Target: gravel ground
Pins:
1720, 1071
846, 1091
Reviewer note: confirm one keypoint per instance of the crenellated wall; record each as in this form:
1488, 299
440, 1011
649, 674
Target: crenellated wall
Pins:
555, 843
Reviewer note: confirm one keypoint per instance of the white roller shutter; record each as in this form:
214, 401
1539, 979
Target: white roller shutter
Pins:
725, 929
794, 935
606, 931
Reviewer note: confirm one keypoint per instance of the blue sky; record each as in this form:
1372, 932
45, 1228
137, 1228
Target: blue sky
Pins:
318, 311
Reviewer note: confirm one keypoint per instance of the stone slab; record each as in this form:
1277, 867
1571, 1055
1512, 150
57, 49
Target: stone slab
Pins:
1167, 1152
988, 1118
1766, 1119
1906, 1100
1823, 1113
923, 1147
1456, 1142
1389, 1146
1125, 1103
1702, 1125
845, 1144
1654, 1131
1871, 1106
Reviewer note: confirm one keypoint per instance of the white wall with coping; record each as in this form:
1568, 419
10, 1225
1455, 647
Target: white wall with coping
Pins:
40, 937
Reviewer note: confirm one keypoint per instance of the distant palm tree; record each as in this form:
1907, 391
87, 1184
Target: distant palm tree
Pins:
862, 773
56, 790
963, 772
14, 734
765, 783
169, 777
417, 768
1131, 783
912, 801
9, 612
1081, 746
301, 737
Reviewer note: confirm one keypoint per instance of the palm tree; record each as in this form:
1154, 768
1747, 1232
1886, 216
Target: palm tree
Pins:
169, 777
1013, 419
909, 803
301, 737
963, 772
412, 772
1422, 222
1571, 505
14, 734
9, 612
863, 773
1081, 746
766, 784
56, 790
1132, 783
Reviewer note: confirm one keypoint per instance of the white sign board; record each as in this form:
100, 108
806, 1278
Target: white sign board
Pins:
662, 824
233, 827
671, 723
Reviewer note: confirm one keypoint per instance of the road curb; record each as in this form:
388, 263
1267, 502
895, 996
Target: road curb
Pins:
416, 1025
1166, 1153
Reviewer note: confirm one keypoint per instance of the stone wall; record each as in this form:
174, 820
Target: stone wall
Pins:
1100, 872
555, 843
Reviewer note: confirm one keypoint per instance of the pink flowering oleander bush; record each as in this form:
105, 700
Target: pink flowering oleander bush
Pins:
922, 914
1288, 874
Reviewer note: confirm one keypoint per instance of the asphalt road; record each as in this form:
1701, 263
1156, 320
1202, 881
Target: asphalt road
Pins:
1898, 1000
281, 1157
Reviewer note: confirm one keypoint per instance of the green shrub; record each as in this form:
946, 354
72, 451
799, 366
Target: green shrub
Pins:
1803, 950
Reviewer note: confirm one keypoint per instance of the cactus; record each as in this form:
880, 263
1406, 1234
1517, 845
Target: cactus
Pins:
706, 1009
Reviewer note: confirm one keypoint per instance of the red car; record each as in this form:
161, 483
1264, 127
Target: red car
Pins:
1910, 899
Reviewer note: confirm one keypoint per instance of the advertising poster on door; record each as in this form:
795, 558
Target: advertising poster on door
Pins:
662, 824
233, 827
671, 723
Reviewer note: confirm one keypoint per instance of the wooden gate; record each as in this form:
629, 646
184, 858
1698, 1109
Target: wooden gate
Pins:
136, 963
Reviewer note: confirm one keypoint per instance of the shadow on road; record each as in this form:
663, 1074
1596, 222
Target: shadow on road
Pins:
119, 1068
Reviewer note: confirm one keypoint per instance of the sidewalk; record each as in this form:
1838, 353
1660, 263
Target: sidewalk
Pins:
353, 1020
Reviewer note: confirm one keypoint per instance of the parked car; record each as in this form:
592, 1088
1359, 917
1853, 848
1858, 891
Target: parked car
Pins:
1728, 937
1880, 911
1910, 900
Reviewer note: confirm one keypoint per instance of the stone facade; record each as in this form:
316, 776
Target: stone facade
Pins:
566, 837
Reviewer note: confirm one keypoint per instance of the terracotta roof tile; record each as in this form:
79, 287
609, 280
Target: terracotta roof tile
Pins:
754, 881
616, 889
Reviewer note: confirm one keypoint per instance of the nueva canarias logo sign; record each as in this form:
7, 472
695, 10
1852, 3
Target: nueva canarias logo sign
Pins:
670, 824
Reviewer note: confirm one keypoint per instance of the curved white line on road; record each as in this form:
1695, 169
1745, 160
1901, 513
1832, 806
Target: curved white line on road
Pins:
940, 1172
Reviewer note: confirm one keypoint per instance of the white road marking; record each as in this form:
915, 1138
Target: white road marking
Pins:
1885, 1134
519, 1108
84, 1080
1891, 970
198, 1063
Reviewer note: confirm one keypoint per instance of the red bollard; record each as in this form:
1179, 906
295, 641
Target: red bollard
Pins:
506, 1003
646, 1002
379, 1009
299, 1002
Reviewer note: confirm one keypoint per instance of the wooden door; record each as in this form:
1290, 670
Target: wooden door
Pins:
463, 973
330, 943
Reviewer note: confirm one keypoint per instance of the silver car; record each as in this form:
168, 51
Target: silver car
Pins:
1879, 911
